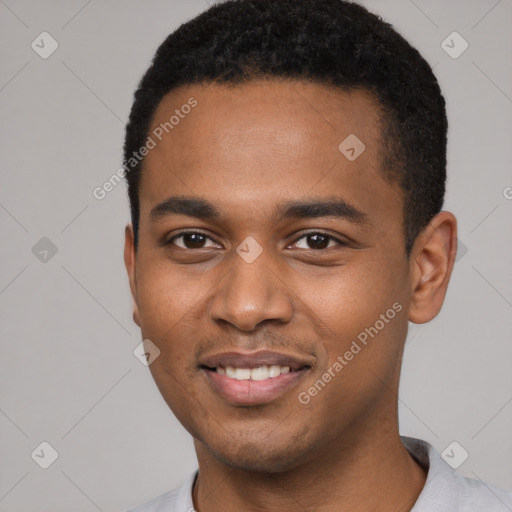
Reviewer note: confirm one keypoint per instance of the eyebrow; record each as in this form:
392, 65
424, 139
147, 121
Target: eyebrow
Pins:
202, 209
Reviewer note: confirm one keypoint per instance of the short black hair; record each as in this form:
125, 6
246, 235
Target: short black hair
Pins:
332, 42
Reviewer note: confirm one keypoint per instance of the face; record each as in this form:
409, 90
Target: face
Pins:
271, 272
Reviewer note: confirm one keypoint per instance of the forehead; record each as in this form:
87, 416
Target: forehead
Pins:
263, 142
286, 114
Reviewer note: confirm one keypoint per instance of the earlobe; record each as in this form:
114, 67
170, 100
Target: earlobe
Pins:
135, 314
129, 261
432, 260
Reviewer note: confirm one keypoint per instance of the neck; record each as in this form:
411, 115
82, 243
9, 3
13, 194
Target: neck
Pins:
361, 473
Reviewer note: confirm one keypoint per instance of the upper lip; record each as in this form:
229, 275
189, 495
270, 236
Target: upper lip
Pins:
254, 360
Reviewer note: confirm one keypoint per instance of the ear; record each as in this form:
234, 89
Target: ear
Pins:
129, 261
432, 259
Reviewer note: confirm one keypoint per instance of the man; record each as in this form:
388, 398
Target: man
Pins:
286, 164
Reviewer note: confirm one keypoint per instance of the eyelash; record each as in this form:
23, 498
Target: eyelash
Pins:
193, 232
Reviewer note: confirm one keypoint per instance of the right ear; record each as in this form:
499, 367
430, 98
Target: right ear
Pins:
129, 261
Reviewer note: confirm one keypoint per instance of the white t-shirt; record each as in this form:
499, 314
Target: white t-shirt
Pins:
445, 490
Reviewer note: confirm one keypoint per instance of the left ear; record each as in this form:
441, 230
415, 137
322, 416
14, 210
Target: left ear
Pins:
431, 261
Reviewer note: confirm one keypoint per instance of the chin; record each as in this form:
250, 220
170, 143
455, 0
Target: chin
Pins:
260, 457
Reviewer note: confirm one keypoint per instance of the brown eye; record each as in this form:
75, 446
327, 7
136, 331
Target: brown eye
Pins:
191, 240
318, 241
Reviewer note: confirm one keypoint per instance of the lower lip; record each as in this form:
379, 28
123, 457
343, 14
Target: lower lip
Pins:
252, 392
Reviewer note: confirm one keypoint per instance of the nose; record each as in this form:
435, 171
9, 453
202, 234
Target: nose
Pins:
251, 294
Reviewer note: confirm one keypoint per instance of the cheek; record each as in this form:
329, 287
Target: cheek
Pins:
165, 296
365, 305
168, 317
168, 314
355, 294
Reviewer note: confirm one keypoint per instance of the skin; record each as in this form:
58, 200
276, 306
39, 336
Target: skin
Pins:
246, 149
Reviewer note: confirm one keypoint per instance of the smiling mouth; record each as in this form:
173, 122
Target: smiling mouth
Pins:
258, 373
253, 379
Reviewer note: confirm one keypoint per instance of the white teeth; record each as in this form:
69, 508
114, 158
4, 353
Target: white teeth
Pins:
230, 372
275, 371
242, 373
260, 373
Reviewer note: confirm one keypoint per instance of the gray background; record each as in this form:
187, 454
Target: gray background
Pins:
68, 374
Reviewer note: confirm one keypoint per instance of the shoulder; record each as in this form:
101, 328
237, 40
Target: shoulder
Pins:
446, 490
163, 503
476, 495
179, 500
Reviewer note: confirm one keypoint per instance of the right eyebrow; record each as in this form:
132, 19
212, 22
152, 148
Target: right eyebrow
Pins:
190, 206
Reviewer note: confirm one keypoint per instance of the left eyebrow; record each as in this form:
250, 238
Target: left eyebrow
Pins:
333, 207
